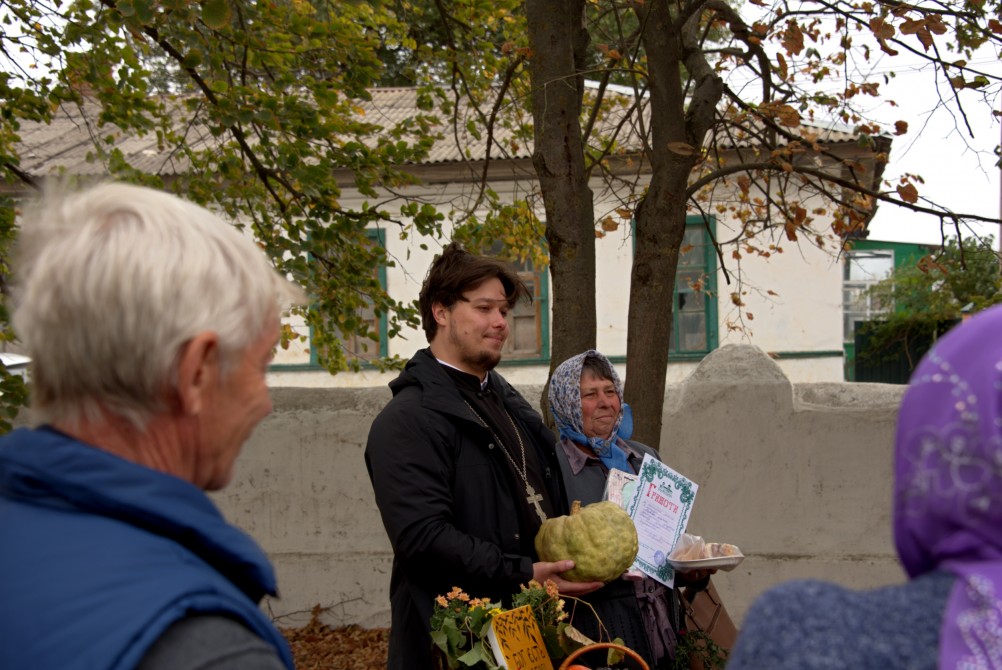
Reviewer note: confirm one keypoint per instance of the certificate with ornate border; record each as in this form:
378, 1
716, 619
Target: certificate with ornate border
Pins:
660, 509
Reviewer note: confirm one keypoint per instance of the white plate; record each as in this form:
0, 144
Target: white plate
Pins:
725, 563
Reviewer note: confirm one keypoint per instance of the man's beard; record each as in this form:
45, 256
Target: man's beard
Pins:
478, 359
483, 360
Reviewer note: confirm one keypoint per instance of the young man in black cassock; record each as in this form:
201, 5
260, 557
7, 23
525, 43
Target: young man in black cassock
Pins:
463, 468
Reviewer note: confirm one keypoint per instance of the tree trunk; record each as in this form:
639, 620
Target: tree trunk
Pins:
557, 39
660, 226
676, 140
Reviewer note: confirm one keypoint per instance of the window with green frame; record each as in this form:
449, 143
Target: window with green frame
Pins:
694, 303
694, 312
358, 349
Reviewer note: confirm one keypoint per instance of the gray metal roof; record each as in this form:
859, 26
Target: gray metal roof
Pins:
66, 144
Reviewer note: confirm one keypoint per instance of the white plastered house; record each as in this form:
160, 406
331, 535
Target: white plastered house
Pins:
792, 295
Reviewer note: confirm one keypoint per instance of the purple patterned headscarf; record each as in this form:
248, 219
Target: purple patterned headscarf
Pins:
565, 404
948, 485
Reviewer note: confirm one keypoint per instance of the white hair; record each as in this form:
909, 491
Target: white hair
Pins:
111, 282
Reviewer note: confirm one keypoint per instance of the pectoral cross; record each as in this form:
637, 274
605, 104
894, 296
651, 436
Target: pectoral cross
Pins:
534, 499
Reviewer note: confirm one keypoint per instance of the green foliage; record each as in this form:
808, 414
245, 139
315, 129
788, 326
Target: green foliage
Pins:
13, 396
281, 87
459, 625
515, 225
941, 285
695, 645
13, 392
548, 610
924, 298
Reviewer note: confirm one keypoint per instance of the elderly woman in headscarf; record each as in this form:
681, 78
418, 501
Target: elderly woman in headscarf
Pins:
947, 530
586, 400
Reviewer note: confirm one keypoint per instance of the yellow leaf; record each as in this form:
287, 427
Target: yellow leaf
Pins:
791, 231
900, 127
788, 116
881, 29
908, 193
799, 215
793, 39
574, 634
935, 24
782, 67
614, 656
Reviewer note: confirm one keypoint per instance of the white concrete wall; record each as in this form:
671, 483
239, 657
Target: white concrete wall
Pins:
794, 297
797, 475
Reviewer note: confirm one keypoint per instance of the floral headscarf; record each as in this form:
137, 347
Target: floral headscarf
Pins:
948, 485
565, 404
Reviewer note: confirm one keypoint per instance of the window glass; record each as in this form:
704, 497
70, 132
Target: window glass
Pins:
364, 348
862, 269
527, 322
868, 265
694, 318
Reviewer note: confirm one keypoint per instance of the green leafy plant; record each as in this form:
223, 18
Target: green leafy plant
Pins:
697, 649
927, 298
548, 609
459, 626
459, 623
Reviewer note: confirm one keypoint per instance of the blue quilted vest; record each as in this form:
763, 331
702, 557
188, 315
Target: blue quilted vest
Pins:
99, 556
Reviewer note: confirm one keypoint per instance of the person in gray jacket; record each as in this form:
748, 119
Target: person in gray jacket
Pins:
947, 524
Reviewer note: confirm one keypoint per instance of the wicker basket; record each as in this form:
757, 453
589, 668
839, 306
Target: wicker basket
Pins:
637, 659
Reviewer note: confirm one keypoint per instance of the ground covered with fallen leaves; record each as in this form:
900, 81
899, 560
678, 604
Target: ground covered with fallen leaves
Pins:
317, 646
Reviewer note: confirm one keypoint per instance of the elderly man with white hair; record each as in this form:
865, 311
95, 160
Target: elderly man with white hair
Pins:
150, 323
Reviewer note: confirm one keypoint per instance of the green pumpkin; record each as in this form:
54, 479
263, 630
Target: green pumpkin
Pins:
600, 538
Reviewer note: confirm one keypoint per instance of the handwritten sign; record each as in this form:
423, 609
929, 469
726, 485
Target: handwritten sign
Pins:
517, 643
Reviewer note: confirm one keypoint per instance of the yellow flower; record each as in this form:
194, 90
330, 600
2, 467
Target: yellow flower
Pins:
442, 601
457, 593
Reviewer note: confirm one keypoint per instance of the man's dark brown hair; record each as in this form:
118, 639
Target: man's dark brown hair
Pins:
456, 271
